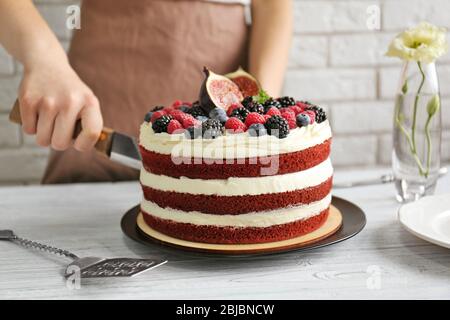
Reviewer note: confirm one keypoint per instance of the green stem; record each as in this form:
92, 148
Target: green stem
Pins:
427, 133
416, 102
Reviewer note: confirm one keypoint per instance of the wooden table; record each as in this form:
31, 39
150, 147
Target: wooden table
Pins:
383, 262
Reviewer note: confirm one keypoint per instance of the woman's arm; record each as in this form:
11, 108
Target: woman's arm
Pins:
51, 95
270, 42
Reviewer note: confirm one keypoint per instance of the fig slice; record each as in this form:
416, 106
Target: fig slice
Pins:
218, 91
247, 83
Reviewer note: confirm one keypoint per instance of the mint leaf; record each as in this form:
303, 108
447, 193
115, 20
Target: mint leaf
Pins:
261, 97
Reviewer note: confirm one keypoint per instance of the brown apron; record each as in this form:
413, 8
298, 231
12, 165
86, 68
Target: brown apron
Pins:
135, 55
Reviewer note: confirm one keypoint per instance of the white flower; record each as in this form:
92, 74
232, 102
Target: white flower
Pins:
424, 43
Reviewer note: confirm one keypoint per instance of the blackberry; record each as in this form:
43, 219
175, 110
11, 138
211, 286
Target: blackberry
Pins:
160, 124
271, 103
321, 115
252, 105
196, 111
157, 108
277, 126
212, 129
240, 113
286, 101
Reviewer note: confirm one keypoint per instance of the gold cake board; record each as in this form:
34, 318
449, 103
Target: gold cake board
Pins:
331, 225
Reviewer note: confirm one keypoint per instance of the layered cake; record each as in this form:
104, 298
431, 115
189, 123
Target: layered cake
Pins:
236, 167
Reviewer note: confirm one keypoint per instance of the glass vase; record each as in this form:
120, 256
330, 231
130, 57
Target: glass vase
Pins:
417, 132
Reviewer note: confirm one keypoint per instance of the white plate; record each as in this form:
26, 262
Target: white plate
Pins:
428, 218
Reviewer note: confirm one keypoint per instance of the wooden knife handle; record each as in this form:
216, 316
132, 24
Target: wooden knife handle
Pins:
103, 144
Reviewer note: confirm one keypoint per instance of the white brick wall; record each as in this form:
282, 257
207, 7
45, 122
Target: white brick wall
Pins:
335, 61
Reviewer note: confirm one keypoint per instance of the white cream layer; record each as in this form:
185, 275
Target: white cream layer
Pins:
232, 146
235, 186
254, 219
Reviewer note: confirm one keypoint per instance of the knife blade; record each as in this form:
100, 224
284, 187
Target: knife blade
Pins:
119, 147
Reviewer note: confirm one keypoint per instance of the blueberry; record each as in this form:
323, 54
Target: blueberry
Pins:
202, 118
148, 116
216, 113
193, 133
302, 120
184, 108
222, 118
257, 129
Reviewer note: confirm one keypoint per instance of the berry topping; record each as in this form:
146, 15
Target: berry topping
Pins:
288, 110
252, 105
296, 109
218, 114
235, 125
196, 111
254, 117
273, 111
177, 103
202, 118
160, 124
303, 104
192, 133
189, 121
257, 129
311, 114
302, 120
320, 115
286, 101
148, 116
271, 103
290, 117
240, 113
157, 114
174, 126
212, 129
267, 116
157, 108
277, 126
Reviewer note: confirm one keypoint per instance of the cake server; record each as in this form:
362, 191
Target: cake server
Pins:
385, 178
117, 146
90, 267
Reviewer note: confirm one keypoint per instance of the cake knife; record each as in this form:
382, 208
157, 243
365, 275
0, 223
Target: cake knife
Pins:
117, 146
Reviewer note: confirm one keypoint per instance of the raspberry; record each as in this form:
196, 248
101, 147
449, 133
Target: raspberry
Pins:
232, 107
169, 110
290, 119
254, 117
235, 125
267, 116
177, 103
178, 115
283, 110
173, 126
296, 109
157, 114
273, 111
303, 104
189, 121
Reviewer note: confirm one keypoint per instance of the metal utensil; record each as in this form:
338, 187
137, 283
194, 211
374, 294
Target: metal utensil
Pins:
117, 146
385, 178
90, 267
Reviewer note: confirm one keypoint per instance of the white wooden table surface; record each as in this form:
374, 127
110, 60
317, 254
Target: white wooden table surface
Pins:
383, 262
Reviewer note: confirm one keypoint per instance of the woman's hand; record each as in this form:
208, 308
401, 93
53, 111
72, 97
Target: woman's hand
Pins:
52, 98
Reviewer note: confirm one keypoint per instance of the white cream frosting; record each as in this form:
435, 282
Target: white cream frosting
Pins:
254, 219
232, 146
236, 186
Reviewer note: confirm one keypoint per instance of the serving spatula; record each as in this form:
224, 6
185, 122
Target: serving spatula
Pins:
89, 267
117, 146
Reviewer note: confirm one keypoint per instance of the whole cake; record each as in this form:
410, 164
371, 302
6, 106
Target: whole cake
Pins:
237, 166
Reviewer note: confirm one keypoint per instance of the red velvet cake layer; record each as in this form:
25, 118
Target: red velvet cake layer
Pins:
251, 167
230, 235
214, 204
